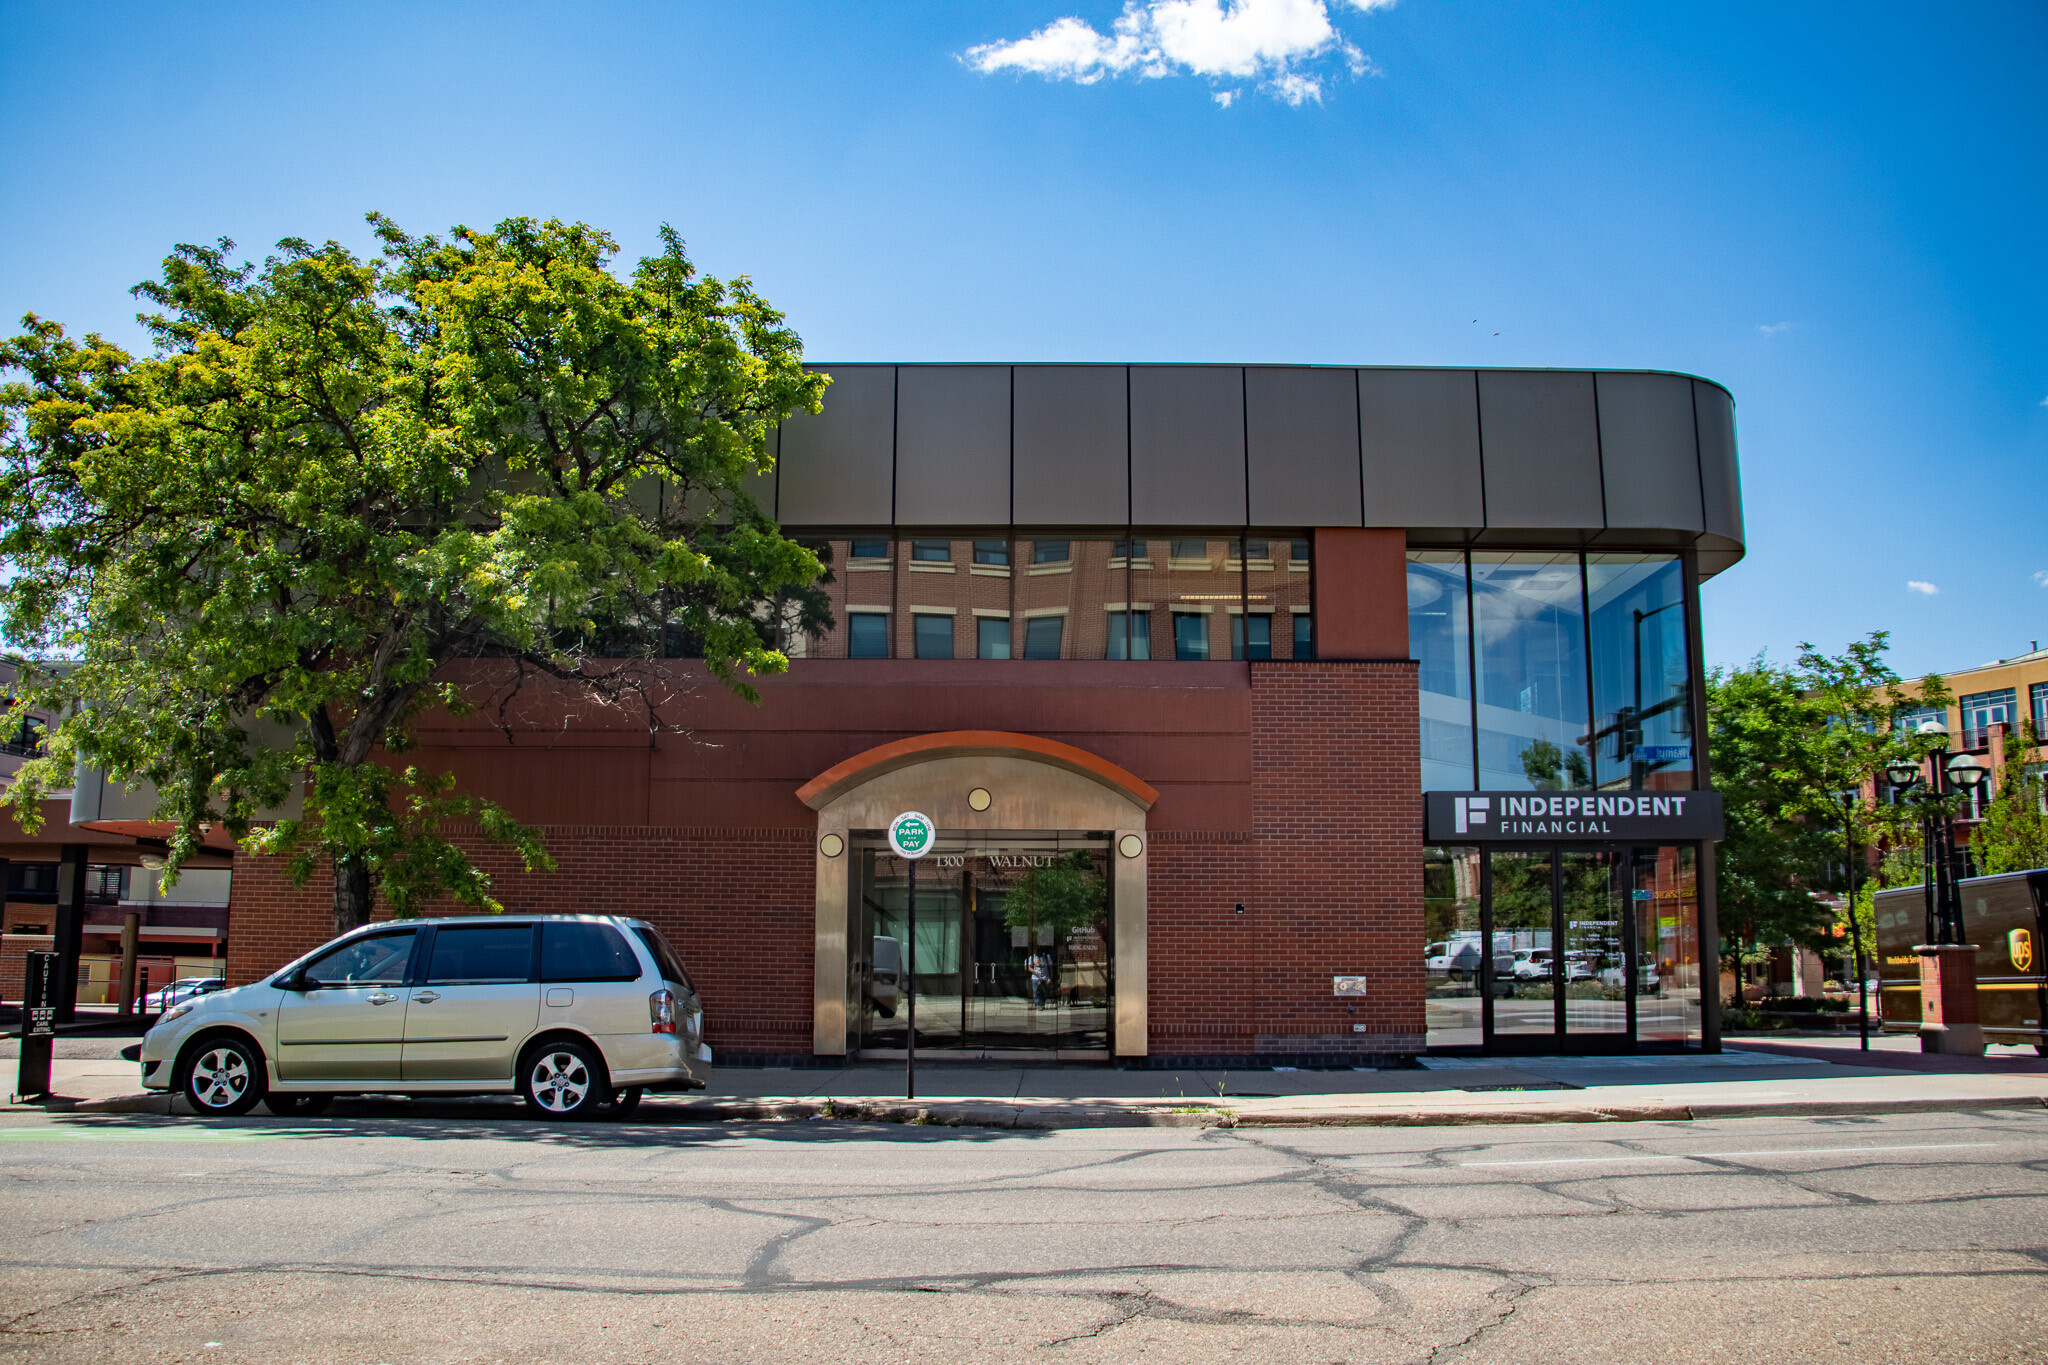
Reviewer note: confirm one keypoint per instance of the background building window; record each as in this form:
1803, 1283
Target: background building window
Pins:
931, 551
992, 552
1190, 635
1304, 636
867, 635
1251, 637
934, 637
1298, 551
1982, 710
1042, 637
1050, 551
1130, 635
2037, 696
868, 549
991, 637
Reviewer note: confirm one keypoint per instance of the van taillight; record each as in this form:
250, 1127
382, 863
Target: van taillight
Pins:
661, 1011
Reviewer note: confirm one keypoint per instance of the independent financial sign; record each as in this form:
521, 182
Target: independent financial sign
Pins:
1639, 816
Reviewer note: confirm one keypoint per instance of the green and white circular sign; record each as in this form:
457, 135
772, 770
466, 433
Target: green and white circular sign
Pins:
911, 834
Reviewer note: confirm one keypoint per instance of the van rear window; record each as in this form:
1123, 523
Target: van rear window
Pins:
572, 950
664, 956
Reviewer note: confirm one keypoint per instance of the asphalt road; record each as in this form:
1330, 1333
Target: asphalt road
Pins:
399, 1238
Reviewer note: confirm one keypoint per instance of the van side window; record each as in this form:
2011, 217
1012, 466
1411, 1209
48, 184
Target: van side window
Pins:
379, 960
481, 955
576, 951
664, 957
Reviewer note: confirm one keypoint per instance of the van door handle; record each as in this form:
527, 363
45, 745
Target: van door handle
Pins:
425, 998
379, 998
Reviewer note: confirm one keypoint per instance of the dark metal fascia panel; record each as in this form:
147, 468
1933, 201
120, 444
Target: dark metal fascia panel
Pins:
1073, 455
1542, 451
1301, 446
1649, 451
838, 467
953, 445
1187, 445
1419, 448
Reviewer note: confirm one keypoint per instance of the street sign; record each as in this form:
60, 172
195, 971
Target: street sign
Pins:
911, 834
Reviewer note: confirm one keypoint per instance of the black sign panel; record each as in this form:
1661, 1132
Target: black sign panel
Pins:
1637, 817
39, 992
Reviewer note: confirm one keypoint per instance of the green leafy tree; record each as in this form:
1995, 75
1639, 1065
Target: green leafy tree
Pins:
257, 551
2013, 836
1787, 742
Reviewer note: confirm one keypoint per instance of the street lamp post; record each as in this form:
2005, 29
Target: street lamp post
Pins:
1947, 777
1948, 964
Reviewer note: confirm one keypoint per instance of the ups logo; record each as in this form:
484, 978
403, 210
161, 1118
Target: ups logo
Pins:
2019, 946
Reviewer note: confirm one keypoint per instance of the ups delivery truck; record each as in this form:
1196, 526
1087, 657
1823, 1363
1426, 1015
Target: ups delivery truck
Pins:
2005, 917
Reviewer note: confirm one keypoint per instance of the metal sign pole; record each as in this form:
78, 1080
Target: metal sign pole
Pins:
911, 835
910, 984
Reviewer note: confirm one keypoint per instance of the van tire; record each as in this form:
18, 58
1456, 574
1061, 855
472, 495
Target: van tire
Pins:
224, 1076
564, 1079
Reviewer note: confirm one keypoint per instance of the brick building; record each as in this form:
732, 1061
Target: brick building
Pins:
1172, 656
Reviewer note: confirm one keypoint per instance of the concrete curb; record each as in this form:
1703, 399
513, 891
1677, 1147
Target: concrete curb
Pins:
1053, 1115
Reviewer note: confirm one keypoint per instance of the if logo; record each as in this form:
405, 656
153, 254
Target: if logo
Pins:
2019, 946
1469, 811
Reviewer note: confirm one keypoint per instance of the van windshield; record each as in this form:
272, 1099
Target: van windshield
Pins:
664, 956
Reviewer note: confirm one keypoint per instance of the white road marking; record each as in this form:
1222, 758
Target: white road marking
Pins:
1698, 1156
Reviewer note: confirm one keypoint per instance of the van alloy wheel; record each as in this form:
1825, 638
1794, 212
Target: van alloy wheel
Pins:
565, 1080
225, 1078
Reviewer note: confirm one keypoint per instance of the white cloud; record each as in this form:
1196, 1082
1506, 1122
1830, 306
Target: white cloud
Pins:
1771, 329
1269, 41
2041, 577
1915, 585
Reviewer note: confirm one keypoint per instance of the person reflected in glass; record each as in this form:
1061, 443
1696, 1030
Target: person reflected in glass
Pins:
1040, 968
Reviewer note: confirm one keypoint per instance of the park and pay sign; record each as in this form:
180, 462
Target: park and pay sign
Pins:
911, 835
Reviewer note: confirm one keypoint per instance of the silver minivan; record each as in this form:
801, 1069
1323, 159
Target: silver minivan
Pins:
575, 1013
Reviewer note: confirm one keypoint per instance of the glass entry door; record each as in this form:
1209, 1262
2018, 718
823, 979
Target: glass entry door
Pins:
1564, 942
1012, 948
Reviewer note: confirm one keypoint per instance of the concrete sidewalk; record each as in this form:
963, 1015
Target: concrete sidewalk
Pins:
1744, 1081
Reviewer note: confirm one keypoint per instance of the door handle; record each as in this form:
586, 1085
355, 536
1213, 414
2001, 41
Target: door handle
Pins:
425, 998
380, 998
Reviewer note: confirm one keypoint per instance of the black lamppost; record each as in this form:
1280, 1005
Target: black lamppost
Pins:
1849, 799
1949, 778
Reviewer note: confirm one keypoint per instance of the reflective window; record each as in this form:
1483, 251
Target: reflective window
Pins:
1439, 637
578, 950
1251, 637
1276, 582
1050, 551
1304, 636
992, 637
481, 955
931, 551
2037, 696
1530, 647
1130, 635
1641, 672
867, 635
934, 637
992, 552
1298, 551
868, 549
1042, 637
1450, 956
1189, 586
379, 960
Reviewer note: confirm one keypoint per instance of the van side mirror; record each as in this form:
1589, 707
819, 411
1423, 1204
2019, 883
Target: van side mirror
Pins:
294, 981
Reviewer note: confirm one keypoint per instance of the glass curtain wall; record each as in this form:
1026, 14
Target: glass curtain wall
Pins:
1031, 598
1551, 671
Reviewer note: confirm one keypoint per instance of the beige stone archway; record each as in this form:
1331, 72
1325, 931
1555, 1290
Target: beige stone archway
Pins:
1034, 784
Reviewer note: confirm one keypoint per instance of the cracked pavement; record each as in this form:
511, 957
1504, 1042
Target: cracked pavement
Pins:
472, 1235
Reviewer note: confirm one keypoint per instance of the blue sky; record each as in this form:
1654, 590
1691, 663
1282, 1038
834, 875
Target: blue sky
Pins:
1835, 210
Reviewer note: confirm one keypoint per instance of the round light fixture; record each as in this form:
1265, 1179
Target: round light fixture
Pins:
1130, 845
1934, 727
1903, 773
1967, 770
832, 846
979, 799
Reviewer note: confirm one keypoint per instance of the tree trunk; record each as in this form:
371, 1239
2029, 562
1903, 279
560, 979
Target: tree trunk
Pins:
351, 895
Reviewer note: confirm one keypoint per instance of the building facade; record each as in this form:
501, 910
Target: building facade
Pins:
1172, 656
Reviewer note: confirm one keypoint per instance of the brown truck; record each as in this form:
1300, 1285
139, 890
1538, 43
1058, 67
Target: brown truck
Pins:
2005, 916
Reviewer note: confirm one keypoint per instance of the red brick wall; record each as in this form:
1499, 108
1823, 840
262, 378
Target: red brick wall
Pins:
736, 903
1338, 888
1294, 794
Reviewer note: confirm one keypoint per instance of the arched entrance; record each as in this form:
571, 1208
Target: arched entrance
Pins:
999, 971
